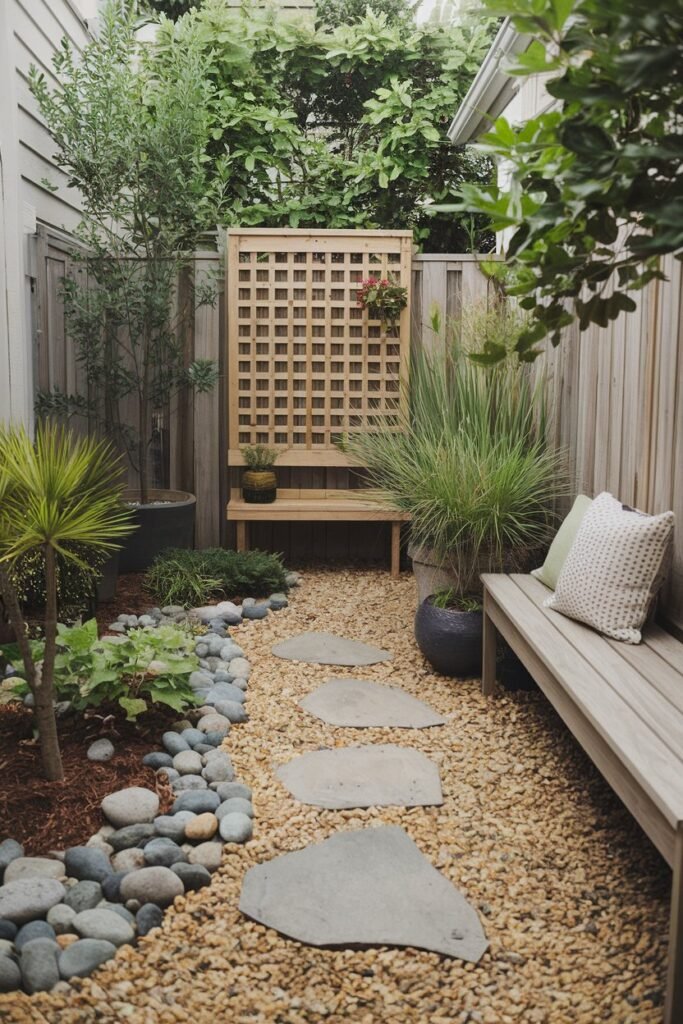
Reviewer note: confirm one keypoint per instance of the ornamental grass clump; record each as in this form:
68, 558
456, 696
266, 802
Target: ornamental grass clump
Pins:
468, 460
189, 578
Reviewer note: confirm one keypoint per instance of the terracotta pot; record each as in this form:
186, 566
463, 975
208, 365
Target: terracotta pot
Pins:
259, 486
166, 521
450, 639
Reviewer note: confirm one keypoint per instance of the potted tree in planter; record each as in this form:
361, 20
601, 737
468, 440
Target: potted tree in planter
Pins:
259, 483
131, 131
470, 464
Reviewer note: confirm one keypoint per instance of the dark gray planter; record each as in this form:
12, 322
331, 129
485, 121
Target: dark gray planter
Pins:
449, 639
106, 585
166, 521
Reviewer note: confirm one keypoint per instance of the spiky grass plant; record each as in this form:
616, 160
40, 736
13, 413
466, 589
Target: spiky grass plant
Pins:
469, 461
61, 496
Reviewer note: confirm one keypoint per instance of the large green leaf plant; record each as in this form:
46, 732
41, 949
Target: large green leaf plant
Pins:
595, 193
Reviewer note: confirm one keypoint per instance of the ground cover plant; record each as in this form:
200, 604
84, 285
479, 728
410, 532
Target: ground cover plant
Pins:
595, 190
188, 578
340, 123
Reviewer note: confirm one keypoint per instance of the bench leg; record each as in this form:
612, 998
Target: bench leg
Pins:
673, 1007
488, 668
242, 538
395, 550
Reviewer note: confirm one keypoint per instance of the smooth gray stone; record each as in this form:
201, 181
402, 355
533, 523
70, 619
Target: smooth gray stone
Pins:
163, 852
7, 929
83, 896
218, 771
235, 805
172, 826
60, 917
10, 974
188, 762
228, 790
368, 887
100, 923
87, 863
381, 775
360, 704
192, 736
215, 739
100, 750
130, 806
193, 876
29, 898
197, 800
233, 710
111, 886
39, 968
118, 908
225, 691
328, 649
158, 759
34, 867
157, 885
148, 916
81, 958
173, 742
236, 827
131, 835
34, 930
10, 849
188, 783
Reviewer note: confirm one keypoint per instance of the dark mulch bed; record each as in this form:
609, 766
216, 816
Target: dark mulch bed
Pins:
54, 815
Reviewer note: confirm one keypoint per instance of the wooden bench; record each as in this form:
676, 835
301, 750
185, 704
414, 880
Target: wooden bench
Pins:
623, 703
315, 506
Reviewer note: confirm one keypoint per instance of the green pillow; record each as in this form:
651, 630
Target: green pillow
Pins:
564, 538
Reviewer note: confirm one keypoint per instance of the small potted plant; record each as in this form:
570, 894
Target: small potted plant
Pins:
259, 483
383, 299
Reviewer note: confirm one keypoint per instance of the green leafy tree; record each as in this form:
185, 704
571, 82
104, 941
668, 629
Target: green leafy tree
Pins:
595, 197
131, 132
342, 127
58, 495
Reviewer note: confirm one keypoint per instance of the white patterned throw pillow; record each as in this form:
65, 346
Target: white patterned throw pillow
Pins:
614, 568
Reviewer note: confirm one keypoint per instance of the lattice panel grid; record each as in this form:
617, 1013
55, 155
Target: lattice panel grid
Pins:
307, 364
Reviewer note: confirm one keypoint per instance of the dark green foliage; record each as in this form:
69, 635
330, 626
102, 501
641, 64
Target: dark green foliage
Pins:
341, 127
330, 14
173, 9
596, 193
194, 577
75, 584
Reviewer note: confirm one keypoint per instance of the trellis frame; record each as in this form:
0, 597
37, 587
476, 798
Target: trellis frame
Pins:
305, 363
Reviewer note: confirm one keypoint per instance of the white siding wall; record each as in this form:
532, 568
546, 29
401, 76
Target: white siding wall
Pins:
30, 32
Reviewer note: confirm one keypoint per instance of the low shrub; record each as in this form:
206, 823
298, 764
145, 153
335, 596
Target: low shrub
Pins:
194, 577
142, 668
75, 585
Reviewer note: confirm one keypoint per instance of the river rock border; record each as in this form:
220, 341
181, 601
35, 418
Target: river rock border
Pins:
63, 915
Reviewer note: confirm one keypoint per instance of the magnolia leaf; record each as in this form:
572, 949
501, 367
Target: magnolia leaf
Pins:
133, 706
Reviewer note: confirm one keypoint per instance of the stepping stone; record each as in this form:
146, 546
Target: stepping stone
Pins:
382, 775
361, 704
328, 649
370, 887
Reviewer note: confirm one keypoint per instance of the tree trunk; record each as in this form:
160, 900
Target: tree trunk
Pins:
44, 692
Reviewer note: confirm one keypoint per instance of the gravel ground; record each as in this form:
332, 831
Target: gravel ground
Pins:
574, 898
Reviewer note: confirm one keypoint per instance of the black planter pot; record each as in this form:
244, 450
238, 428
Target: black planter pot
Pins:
449, 639
166, 521
106, 585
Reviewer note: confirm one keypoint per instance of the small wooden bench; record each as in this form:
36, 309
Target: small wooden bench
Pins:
623, 703
316, 506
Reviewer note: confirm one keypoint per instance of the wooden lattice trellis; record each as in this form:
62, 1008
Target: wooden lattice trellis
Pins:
306, 364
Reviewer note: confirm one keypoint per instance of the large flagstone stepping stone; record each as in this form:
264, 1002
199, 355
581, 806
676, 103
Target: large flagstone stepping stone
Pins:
358, 703
381, 775
370, 887
328, 649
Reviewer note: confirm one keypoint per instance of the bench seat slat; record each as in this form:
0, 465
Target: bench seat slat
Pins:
610, 659
315, 509
666, 646
651, 762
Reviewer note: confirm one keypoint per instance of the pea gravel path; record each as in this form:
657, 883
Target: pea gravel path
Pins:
573, 897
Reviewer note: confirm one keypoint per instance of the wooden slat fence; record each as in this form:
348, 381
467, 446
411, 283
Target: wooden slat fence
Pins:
617, 396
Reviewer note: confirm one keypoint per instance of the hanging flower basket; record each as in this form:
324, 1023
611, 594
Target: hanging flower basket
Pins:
383, 299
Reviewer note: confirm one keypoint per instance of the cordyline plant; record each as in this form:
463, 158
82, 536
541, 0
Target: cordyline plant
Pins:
60, 496
131, 134
595, 192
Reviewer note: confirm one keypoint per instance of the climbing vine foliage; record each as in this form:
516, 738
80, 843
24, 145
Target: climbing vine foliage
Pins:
595, 194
